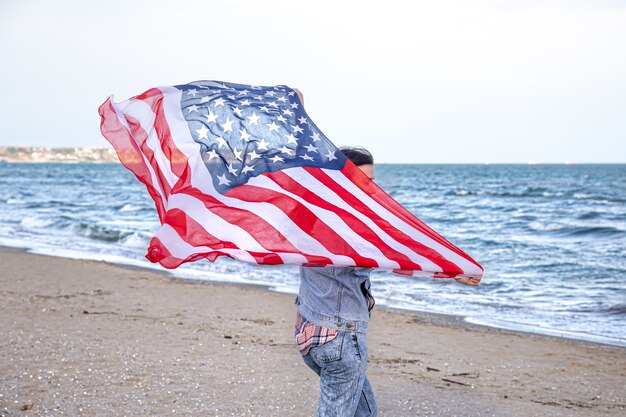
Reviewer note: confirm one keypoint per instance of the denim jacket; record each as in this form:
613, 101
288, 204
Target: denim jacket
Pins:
335, 297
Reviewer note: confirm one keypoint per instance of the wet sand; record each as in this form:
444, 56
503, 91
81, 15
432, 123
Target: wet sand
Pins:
85, 338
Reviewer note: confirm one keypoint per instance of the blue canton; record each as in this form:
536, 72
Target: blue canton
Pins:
246, 130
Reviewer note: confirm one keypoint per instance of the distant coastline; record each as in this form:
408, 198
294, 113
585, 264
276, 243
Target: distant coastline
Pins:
66, 155
38, 154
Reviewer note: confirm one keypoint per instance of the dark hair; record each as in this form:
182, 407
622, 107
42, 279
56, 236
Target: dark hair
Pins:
358, 155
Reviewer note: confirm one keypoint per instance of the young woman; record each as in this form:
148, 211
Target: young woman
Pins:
334, 306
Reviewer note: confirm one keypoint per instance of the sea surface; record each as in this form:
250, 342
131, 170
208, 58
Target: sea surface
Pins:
552, 238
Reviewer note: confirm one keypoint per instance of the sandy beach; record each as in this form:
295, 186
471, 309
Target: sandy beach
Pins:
85, 338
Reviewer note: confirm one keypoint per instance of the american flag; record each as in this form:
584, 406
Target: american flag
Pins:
242, 171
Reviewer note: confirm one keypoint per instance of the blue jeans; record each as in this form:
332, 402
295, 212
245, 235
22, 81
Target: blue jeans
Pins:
344, 388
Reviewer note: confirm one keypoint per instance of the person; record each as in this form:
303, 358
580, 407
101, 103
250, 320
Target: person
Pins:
334, 307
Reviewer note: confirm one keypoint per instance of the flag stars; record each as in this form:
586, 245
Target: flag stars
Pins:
254, 155
219, 102
244, 135
311, 148
205, 99
276, 159
287, 112
330, 155
192, 108
212, 154
253, 120
237, 111
281, 118
316, 137
232, 169
193, 92
247, 168
291, 139
228, 125
297, 129
262, 145
265, 109
221, 142
306, 157
237, 154
282, 99
286, 150
211, 117
232, 97
270, 94
223, 180
303, 120
243, 92
202, 132
273, 127
291, 93
273, 104
294, 105
245, 102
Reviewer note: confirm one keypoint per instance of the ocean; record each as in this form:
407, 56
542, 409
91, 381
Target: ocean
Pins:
552, 238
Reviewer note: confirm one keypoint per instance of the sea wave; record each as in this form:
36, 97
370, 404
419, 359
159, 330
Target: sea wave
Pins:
131, 208
100, 232
565, 230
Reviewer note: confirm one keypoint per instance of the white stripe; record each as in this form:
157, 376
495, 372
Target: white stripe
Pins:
153, 177
462, 263
213, 223
361, 246
307, 180
201, 179
141, 111
179, 248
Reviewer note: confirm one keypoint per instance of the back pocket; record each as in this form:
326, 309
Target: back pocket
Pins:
329, 351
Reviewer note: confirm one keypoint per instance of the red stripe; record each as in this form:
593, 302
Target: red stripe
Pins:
263, 232
194, 234
358, 226
178, 160
141, 137
305, 219
358, 178
158, 252
395, 233
128, 151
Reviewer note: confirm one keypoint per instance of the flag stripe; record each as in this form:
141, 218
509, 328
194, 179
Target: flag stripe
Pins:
115, 128
338, 225
361, 206
305, 219
143, 140
353, 222
451, 256
177, 159
351, 173
263, 232
400, 242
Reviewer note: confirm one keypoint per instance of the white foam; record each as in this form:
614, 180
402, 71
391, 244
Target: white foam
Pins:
36, 222
130, 208
538, 329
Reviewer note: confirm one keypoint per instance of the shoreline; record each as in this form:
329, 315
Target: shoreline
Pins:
427, 316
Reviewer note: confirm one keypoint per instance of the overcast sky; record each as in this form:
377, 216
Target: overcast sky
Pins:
413, 81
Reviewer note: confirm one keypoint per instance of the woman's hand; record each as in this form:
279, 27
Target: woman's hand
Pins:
473, 281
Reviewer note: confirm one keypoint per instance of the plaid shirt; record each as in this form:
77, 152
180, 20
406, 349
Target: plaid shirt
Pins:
310, 334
